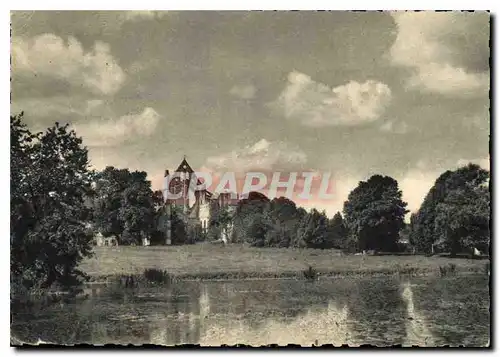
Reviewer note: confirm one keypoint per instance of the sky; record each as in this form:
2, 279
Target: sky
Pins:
348, 93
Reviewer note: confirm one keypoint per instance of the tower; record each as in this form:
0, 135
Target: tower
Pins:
180, 184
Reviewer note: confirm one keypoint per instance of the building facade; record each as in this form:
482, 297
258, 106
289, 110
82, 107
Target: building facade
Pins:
198, 207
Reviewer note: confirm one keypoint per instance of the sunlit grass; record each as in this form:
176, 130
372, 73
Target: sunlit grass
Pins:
206, 261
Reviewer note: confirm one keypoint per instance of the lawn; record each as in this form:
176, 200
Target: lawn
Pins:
212, 261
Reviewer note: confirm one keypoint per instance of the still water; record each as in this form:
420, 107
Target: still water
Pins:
427, 311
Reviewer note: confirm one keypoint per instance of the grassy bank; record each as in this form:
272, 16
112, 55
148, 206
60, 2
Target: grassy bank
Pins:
206, 261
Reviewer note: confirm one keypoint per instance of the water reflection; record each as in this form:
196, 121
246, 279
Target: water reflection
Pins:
417, 331
376, 312
355, 311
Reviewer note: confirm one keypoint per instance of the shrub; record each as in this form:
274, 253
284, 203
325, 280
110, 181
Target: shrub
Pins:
446, 270
311, 273
157, 276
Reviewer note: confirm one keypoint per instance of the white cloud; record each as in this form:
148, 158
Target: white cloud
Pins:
439, 48
394, 127
49, 55
244, 91
64, 108
115, 132
46, 107
315, 104
137, 15
263, 155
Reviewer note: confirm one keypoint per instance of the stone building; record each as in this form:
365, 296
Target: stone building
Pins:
198, 207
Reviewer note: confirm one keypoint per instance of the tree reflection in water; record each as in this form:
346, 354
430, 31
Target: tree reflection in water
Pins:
381, 311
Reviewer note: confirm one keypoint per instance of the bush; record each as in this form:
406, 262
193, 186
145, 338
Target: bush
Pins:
311, 273
445, 270
157, 276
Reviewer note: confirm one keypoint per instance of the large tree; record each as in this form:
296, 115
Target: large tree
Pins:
50, 179
338, 231
247, 213
443, 198
284, 220
125, 205
313, 231
374, 213
463, 218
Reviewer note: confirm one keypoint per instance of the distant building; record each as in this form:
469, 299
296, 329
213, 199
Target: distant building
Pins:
101, 241
198, 207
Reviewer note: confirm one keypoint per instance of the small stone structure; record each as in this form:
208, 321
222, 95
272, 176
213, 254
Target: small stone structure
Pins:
101, 241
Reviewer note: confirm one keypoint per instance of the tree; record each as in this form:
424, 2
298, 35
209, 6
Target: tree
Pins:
425, 232
221, 223
265, 223
258, 229
50, 179
374, 213
462, 220
284, 220
246, 212
313, 231
125, 205
158, 235
179, 226
338, 232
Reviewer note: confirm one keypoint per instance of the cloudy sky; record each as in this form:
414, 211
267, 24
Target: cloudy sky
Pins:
353, 94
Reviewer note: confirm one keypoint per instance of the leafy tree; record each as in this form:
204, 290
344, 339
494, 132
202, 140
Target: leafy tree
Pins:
313, 231
425, 232
158, 200
125, 205
338, 232
50, 179
462, 220
221, 223
284, 220
179, 226
258, 229
246, 212
158, 235
374, 213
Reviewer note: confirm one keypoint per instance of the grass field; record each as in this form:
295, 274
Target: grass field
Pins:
236, 261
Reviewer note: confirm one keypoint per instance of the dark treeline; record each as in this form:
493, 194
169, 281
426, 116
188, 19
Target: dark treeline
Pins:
454, 218
58, 204
373, 217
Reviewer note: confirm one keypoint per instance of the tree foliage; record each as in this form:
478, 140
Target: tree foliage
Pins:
374, 213
125, 205
462, 219
180, 230
50, 179
338, 232
313, 231
455, 212
248, 212
221, 224
280, 223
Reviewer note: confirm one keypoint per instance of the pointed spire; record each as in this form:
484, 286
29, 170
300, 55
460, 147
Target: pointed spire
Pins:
184, 166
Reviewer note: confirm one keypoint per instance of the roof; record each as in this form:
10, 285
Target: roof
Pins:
184, 167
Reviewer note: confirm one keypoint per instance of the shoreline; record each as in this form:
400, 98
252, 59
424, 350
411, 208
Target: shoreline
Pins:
96, 283
291, 275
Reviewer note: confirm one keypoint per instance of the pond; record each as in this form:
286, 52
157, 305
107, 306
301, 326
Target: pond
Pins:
424, 311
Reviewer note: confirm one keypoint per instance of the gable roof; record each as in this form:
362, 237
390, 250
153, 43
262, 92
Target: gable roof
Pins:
184, 167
